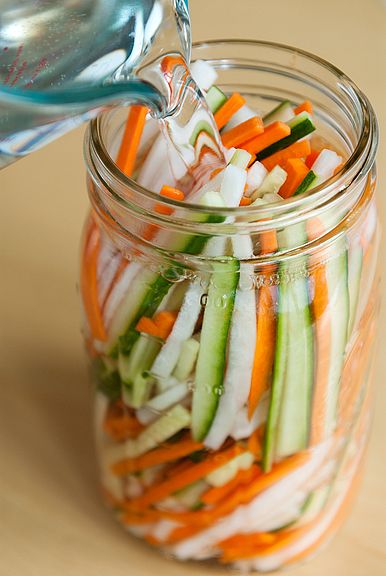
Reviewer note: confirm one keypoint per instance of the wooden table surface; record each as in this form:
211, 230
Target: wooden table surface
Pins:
52, 522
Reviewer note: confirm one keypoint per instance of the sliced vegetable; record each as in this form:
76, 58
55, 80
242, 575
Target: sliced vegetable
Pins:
228, 109
215, 98
176, 419
300, 149
243, 132
255, 177
305, 106
212, 354
196, 472
299, 127
272, 183
228, 471
203, 74
273, 133
187, 359
296, 172
166, 453
131, 138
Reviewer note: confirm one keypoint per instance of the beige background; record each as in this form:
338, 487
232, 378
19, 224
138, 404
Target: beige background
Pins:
51, 518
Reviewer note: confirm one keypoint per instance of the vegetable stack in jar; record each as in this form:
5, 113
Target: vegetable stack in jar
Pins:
232, 405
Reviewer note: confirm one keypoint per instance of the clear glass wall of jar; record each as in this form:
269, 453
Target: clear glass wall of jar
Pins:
253, 472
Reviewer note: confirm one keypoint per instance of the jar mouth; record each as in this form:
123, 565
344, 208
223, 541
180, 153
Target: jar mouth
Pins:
310, 203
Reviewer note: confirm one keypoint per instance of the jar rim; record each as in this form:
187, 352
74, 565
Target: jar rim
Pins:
357, 164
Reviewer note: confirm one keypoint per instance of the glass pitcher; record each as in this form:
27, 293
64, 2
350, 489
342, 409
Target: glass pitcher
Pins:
61, 61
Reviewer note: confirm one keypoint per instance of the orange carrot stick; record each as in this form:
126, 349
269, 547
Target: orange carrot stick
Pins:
305, 106
268, 242
245, 201
173, 193
133, 131
272, 133
230, 107
160, 491
266, 332
243, 132
164, 321
163, 209
322, 326
300, 149
255, 539
214, 495
89, 284
181, 533
312, 156
120, 425
296, 172
147, 326
264, 349
255, 442
241, 495
162, 455
263, 481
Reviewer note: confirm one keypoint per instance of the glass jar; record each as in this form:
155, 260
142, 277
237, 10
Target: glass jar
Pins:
240, 435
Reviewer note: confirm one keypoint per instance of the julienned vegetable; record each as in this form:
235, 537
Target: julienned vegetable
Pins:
228, 426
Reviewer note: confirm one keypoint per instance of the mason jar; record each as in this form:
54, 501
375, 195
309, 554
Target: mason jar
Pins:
239, 433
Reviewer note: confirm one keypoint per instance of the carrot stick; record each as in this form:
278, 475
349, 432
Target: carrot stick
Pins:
162, 455
162, 209
241, 495
178, 467
263, 481
255, 442
243, 132
322, 326
266, 332
296, 172
272, 133
133, 131
300, 149
230, 107
164, 321
214, 495
89, 284
264, 349
305, 106
168, 192
254, 540
119, 425
268, 242
147, 326
245, 201
312, 156
160, 491
173, 193
181, 533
